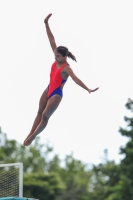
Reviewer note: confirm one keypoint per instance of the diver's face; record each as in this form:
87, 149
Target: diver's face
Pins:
58, 57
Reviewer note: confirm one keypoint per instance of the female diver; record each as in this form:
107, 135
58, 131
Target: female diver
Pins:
52, 95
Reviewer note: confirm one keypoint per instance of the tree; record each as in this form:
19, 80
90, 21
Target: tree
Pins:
75, 176
104, 177
124, 189
44, 186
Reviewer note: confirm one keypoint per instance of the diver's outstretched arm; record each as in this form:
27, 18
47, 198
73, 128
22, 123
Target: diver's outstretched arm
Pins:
70, 72
49, 33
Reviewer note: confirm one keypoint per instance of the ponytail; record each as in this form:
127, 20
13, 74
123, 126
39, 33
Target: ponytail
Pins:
70, 55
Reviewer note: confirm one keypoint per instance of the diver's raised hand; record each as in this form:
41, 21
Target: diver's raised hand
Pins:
47, 18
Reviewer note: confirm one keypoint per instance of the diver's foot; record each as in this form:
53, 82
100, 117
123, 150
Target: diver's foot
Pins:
29, 140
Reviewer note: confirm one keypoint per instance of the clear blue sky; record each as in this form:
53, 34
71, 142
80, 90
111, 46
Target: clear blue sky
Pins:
100, 35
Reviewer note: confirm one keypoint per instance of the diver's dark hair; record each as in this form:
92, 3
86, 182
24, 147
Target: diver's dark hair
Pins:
64, 52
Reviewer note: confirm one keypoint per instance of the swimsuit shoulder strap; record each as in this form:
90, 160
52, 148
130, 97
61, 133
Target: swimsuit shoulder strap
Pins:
64, 65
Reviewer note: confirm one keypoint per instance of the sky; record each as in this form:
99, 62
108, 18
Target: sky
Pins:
100, 35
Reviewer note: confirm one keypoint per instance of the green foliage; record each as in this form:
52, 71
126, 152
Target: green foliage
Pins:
123, 190
103, 178
76, 177
42, 186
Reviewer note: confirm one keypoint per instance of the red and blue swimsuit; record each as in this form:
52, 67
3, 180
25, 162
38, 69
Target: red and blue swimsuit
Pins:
55, 80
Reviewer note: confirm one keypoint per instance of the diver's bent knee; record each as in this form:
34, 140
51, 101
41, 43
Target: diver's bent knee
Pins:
44, 117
